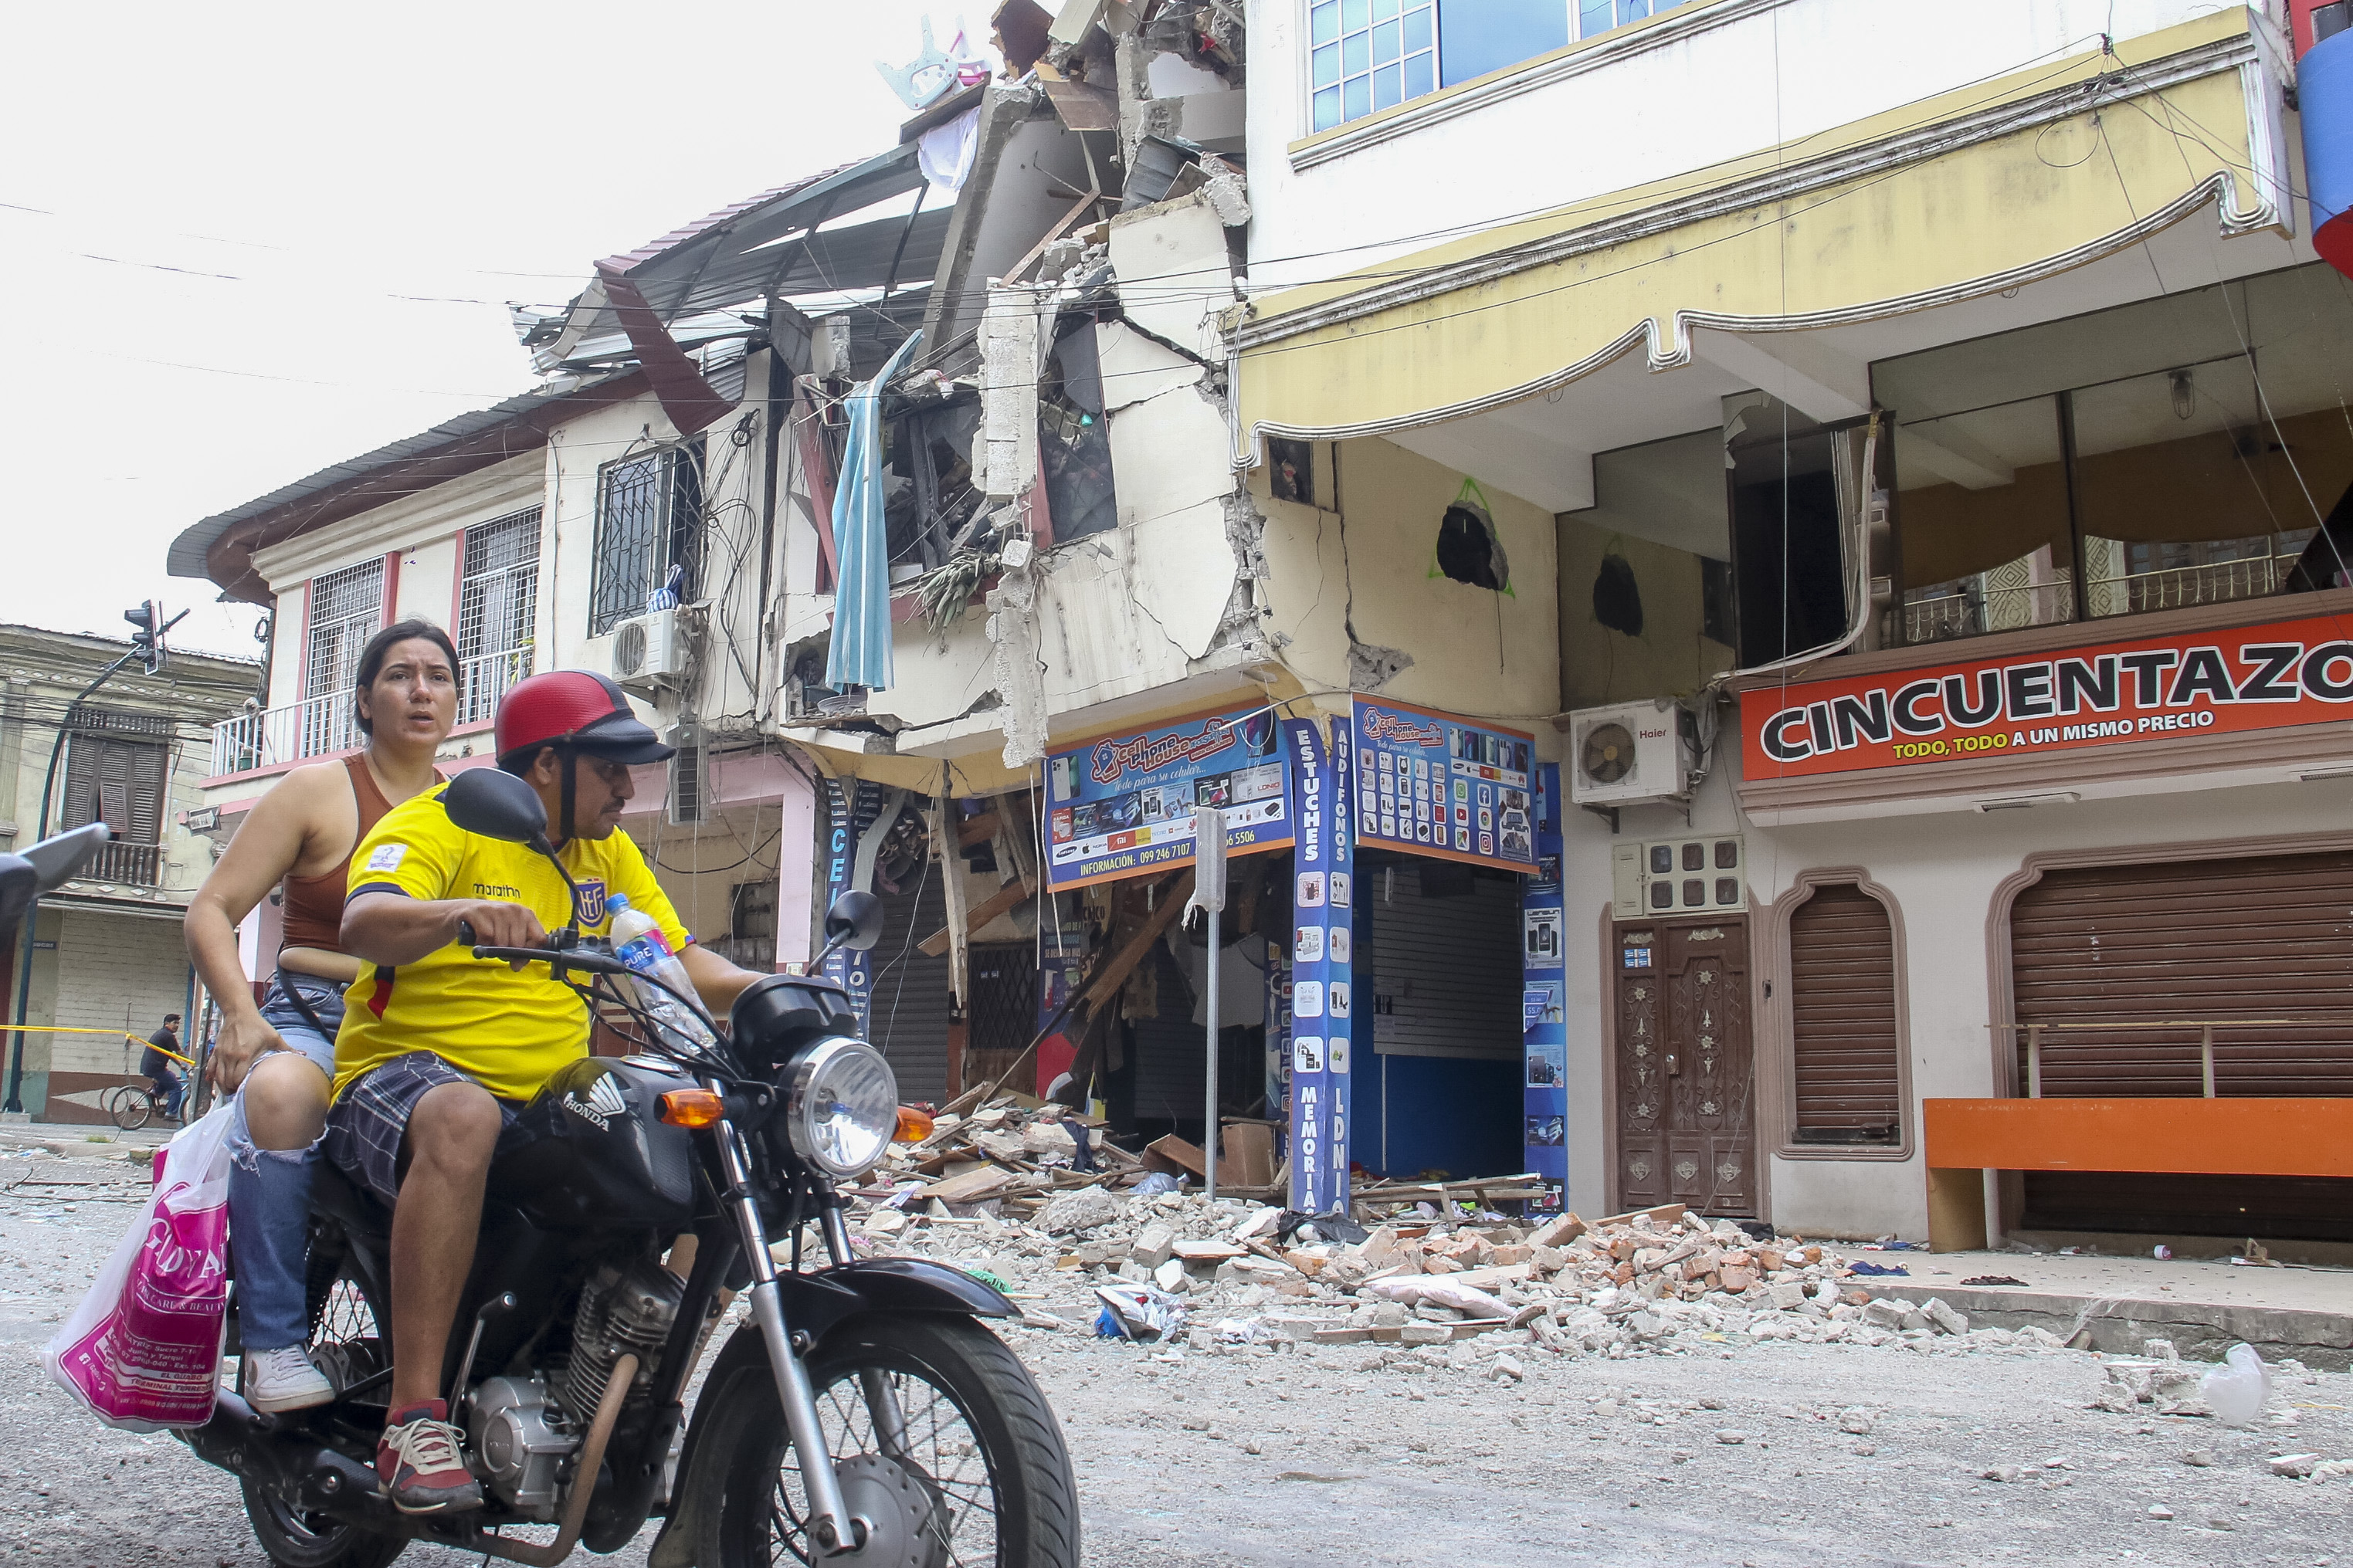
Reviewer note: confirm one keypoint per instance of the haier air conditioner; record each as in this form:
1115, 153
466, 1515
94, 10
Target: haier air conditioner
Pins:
1632, 751
650, 652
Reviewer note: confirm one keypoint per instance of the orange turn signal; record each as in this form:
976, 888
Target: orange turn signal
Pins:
691, 1108
913, 1126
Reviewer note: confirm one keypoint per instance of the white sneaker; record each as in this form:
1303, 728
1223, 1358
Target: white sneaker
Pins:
282, 1380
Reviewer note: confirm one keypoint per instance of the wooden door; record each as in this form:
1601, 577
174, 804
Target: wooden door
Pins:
1686, 1065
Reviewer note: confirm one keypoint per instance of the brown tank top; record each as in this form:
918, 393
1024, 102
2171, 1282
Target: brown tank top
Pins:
314, 905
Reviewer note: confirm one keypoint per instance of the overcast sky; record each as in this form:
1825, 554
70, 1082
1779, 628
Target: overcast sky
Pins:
262, 238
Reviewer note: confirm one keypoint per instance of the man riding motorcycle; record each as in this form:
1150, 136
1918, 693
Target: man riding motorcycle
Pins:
437, 1052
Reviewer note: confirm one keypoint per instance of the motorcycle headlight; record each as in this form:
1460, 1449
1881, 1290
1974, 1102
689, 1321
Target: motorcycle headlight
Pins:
842, 1105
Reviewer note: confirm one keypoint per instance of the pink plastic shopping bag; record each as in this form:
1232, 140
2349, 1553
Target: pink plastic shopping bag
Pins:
143, 1351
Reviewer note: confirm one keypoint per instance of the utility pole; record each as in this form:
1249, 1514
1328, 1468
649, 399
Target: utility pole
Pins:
1209, 894
147, 647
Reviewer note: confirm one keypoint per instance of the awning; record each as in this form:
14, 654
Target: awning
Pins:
1983, 189
981, 773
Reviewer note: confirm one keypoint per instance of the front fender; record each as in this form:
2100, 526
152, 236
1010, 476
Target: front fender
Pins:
815, 1304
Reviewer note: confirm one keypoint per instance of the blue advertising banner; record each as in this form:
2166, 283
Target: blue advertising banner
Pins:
1323, 1007
1123, 805
1435, 784
851, 806
1544, 1016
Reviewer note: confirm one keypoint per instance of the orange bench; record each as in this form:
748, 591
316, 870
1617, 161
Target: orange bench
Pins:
1964, 1138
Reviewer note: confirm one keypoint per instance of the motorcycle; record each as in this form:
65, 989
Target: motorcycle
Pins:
863, 1415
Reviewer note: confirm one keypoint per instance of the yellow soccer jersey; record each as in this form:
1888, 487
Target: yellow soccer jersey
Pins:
508, 1029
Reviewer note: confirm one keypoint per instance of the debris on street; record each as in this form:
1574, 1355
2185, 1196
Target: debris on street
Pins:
1418, 1268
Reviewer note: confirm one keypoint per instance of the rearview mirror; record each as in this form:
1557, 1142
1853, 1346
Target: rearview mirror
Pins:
57, 861
497, 804
19, 886
855, 922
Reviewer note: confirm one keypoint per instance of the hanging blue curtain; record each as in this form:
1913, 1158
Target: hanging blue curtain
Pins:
860, 654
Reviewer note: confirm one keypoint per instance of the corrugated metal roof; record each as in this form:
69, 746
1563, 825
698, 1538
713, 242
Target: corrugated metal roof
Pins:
735, 256
187, 557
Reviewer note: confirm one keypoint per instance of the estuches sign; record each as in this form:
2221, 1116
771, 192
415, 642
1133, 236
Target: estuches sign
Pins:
2123, 693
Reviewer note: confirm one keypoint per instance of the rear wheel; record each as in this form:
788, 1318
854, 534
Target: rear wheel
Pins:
131, 1106
348, 1344
975, 1477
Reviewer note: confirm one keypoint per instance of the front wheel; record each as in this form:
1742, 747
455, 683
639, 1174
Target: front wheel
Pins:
974, 1476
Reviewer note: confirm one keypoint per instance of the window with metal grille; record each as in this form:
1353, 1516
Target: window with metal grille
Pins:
346, 609
498, 598
648, 520
1844, 1041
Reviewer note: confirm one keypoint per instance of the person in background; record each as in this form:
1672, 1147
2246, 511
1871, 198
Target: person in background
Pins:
158, 1066
278, 1055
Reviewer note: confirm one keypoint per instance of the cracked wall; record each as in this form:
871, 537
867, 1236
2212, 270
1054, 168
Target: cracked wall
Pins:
1354, 599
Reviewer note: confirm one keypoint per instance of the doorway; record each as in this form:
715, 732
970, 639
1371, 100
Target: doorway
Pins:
1686, 1061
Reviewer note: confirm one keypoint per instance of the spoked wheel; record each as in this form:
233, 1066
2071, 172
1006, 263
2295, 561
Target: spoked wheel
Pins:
131, 1106
964, 1469
347, 1342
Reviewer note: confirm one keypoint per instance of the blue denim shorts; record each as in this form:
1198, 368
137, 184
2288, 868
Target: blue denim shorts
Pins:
324, 998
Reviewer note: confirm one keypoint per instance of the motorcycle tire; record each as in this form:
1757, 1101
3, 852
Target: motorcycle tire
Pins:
1010, 1498
346, 1338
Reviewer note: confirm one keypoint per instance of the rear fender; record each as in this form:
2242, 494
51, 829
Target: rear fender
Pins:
815, 1304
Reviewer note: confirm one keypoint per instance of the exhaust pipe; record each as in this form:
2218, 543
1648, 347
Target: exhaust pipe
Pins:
289, 1462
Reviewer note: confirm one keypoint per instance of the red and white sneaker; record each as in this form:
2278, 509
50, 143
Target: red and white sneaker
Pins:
421, 1461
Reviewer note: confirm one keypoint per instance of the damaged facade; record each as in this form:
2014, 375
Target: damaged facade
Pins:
1941, 462
1533, 537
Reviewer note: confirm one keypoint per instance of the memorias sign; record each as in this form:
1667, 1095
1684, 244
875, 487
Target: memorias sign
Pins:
2115, 694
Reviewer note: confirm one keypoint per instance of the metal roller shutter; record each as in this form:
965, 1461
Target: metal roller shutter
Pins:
2189, 941
1842, 1018
910, 1025
1449, 968
2225, 938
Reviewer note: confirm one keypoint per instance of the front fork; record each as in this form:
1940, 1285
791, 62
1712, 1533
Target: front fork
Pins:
833, 1530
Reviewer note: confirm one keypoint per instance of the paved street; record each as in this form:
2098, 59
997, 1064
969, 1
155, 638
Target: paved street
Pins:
1731, 1456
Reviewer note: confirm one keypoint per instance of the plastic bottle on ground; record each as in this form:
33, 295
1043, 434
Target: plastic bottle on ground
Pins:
637, 942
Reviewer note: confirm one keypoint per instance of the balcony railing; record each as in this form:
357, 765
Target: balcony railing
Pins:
326, 726
132, 865
483, 680
2251, 577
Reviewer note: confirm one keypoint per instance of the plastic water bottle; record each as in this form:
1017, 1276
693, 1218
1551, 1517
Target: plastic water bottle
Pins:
637, 942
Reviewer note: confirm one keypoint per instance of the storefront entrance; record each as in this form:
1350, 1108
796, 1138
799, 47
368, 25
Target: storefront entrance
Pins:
1685, 1061
1438, 949
2121, 964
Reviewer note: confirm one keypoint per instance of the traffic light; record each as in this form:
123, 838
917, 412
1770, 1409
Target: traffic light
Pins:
147, 639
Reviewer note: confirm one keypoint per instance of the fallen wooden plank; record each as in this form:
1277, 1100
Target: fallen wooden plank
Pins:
1173, 1155
988, 910
972, 1186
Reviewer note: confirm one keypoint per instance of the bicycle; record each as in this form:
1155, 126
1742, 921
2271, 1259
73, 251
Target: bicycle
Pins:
132, 1105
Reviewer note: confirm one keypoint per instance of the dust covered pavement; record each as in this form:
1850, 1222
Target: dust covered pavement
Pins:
1681, 1449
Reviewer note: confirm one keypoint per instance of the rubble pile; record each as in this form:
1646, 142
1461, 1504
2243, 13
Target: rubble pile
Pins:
1004, 1190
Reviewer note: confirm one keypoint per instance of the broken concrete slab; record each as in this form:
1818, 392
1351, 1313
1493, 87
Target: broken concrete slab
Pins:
2117, 1325
1136, 369
1175, 271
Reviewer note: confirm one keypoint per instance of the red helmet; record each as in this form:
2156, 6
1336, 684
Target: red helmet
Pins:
577, 710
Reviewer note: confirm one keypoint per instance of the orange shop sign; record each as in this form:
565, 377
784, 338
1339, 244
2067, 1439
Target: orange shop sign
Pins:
2116, 694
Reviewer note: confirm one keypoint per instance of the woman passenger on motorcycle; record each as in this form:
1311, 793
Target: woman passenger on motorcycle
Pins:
279, 1056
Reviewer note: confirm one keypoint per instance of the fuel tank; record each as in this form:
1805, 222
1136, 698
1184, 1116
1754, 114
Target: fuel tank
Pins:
598, 1152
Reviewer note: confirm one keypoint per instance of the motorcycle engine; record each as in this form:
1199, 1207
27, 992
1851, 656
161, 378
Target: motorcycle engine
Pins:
622, 1311
517, 1444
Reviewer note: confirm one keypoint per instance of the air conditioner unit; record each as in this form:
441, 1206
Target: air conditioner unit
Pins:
650, 652
1634, 752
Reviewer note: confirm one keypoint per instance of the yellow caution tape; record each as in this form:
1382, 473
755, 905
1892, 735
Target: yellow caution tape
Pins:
61, 1029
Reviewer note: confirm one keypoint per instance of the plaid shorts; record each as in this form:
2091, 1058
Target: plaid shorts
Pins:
368, 1126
